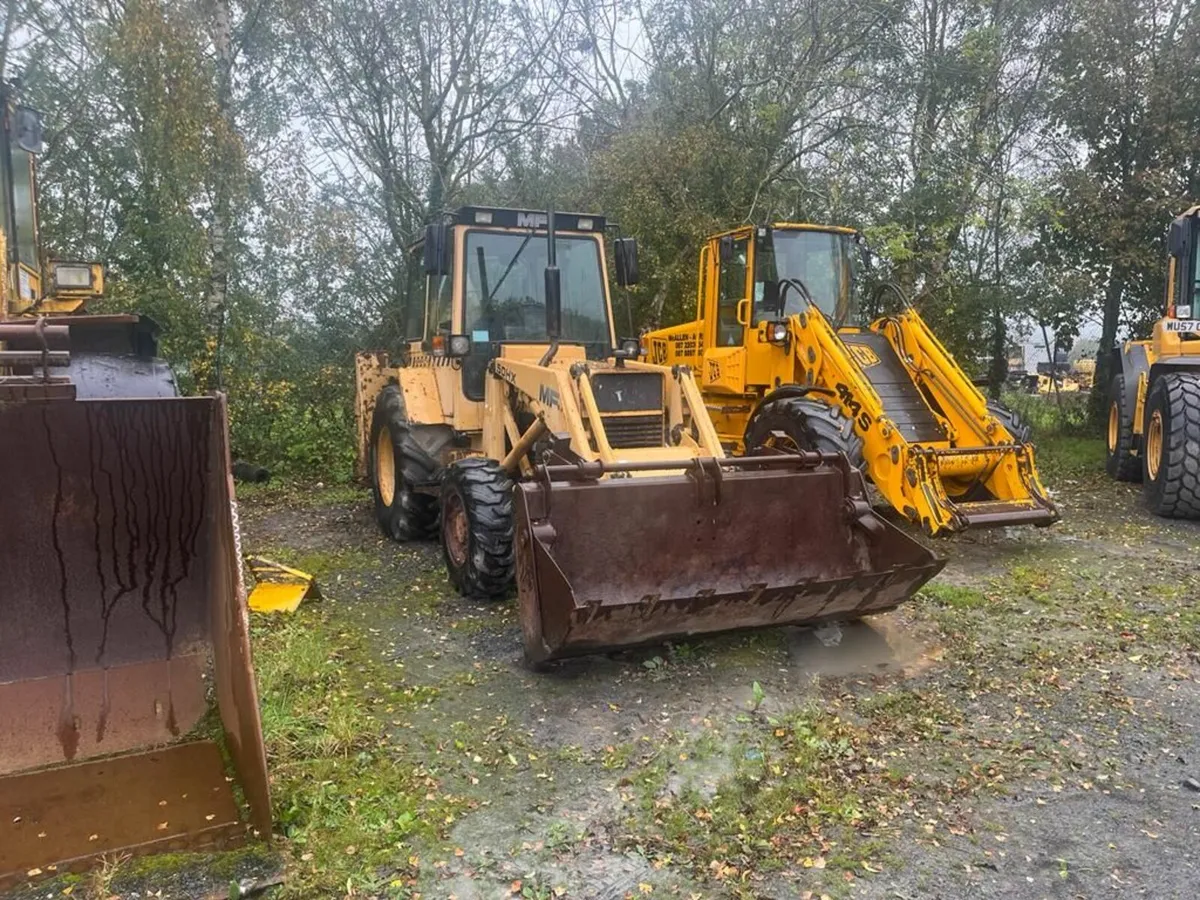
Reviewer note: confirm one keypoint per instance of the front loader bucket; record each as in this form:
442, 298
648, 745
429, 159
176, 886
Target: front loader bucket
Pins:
610, 563
122, 616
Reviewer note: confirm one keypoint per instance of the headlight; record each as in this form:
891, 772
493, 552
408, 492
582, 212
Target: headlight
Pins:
71, 276
459, 345
631, 348
777, 332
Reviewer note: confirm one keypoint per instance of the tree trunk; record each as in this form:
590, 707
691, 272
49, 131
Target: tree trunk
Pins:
226, 161
998, 372
1098, 403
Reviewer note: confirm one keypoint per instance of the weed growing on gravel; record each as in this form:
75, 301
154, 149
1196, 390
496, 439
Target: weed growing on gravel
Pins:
953, 596
299, 494
349, 799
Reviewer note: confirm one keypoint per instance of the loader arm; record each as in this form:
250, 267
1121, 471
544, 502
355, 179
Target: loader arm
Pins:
963, 406
930, 443
606, 414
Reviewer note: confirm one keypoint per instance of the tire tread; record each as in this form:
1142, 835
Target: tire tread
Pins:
487, 493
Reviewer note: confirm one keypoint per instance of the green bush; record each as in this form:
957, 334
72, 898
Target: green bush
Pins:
1049, 414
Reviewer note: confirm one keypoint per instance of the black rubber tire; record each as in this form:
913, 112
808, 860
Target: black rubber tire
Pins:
1012, 421
1176, 492
478, 490
810, 424
409, 516
1120, 462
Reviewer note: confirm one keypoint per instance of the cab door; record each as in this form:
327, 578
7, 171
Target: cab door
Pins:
725, 353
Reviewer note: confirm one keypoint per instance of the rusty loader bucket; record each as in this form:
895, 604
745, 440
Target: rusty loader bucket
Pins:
122, 617
611, 562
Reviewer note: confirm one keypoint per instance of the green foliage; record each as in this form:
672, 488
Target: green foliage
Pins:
1052, 414
1013, 164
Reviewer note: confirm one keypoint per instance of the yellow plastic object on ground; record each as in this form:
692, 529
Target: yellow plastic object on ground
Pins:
279, 588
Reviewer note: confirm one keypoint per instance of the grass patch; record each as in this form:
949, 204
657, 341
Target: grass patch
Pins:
953, 596
1070, 457
349, 798
323, 564
300, 494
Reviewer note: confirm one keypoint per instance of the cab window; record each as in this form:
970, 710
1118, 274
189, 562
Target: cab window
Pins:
731, 289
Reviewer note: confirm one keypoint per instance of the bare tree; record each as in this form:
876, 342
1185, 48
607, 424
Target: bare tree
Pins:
408, 100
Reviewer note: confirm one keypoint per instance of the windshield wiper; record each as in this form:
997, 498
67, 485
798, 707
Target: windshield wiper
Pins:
487, 301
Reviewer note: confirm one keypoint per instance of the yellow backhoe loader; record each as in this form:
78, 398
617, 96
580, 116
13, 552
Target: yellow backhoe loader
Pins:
786, 359
536, 447
1154, 397
122, 611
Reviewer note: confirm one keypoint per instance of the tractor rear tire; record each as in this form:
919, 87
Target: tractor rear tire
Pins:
1171, 446
1121, 464
807, 424
397, 463
1012, 421
477, 527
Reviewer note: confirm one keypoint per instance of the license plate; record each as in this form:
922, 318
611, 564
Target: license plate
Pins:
1184, 325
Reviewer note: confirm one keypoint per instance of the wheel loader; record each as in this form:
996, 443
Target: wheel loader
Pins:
538, 449
787, 359
1154, 396
125, 672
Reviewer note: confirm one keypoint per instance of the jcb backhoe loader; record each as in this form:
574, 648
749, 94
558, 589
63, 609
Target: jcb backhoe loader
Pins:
786, 359
122, 612
1154, 397
515, 431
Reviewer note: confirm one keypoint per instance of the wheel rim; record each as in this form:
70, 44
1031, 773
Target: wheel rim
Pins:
455, 529
1154, 445
784, 443
385, 467
1114, 427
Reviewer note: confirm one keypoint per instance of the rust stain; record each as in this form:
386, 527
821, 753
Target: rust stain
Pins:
68, 722
778, 549
124, 615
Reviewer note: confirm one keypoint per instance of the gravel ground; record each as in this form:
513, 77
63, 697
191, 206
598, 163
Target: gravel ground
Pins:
1023, 729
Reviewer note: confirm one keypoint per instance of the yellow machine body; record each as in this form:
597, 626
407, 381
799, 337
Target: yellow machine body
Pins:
596, 481
931, 443
1153, 428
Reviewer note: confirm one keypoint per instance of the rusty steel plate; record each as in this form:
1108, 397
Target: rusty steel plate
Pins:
606, 564
172, 799
123, 608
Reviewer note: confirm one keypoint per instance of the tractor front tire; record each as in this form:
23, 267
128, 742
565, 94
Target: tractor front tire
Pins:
1012, 421
1121, 464
1171, 446
397, 463
477, 527
804, 424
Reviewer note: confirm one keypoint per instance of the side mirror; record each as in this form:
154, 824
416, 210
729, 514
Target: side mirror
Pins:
28, 129
437, 247
725, 248
625, 255
629, 348
553, 302
772, 299
743, 312
1179, 236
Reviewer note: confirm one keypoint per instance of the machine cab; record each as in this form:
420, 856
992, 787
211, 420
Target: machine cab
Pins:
1183, 279
754, 279
485, 286
32, 284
